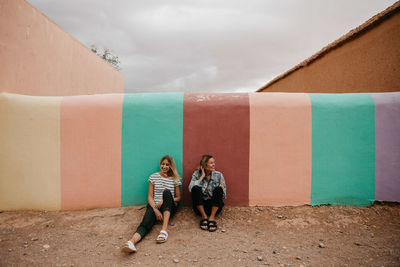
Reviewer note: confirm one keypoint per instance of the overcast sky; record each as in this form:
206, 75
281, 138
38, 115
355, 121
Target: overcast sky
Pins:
208, 45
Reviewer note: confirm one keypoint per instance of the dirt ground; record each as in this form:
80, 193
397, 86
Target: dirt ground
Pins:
247, 236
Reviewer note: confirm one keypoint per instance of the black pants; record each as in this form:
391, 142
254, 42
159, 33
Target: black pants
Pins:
149, 218
216, 200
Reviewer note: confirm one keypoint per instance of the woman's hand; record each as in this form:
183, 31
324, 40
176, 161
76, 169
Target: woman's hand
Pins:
177, 197
158, 214
203, 174
221, 186
159, 204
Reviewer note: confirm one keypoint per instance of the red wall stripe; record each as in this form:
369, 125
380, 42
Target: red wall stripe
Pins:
218, 124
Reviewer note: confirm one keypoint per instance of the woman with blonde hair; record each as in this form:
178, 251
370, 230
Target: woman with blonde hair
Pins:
163, 198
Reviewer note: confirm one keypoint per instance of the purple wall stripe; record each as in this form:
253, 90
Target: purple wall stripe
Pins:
387, 146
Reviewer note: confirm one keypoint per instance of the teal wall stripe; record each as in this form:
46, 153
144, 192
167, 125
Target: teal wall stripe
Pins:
152, 126
343, 149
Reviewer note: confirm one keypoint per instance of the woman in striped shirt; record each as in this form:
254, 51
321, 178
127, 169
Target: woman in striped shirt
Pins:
163, 197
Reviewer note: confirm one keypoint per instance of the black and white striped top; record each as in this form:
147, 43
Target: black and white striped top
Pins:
160, 184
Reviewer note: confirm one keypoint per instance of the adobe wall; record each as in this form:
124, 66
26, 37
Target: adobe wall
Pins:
274, 149
39, 58
367, 63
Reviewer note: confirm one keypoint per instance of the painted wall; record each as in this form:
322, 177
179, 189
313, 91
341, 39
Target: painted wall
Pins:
81, 152
151, 128
218, 125
280, 146
369, 62
387, 146
39, 58
343, 149
30, 175
90, 151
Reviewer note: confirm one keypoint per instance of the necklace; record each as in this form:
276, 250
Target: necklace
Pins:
163, 174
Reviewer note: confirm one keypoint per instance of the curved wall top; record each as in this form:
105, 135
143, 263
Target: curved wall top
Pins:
81, 152
39, 58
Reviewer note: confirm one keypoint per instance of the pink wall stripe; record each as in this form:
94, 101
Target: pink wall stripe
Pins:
280, 149
91, 151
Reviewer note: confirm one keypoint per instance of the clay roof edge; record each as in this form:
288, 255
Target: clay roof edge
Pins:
352, 34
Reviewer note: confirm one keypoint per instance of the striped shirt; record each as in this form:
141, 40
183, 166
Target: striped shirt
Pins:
160, 184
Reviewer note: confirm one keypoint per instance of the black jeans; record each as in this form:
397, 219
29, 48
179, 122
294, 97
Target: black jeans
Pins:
216, 200
149, 218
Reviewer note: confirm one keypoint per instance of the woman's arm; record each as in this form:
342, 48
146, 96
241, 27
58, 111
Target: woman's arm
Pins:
150, 199
177, 197
150, 196
222, 184
196, 180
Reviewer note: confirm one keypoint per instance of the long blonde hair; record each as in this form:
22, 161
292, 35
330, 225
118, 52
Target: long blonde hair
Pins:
172, 168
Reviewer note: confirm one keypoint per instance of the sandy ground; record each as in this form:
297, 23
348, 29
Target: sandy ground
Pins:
247, 236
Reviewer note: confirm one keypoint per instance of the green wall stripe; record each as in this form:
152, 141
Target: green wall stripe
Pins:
343, 149
151, 127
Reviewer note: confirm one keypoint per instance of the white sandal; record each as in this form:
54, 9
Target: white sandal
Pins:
162, 237
129, 247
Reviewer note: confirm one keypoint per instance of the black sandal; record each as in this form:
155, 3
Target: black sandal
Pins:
204, 224
212, 226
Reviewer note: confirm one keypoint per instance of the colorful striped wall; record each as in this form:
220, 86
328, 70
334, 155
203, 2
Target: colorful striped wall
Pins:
274, 149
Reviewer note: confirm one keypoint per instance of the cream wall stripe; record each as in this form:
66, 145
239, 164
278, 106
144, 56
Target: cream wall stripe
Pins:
29, 152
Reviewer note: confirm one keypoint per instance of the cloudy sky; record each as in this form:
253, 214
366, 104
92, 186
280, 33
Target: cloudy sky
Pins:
208, 45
